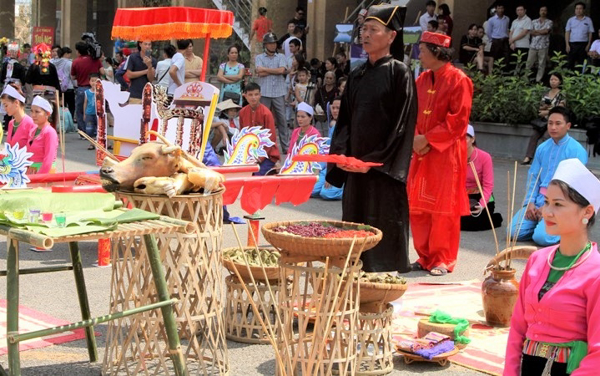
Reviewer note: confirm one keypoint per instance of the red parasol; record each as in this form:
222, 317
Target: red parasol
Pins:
165, 23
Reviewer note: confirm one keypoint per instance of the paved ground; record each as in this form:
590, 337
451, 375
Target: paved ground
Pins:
55, 294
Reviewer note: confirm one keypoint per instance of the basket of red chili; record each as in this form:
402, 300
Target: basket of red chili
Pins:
320, 238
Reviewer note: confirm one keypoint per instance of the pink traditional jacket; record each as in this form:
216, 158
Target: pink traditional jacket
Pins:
570, 311
24, 132
44, 148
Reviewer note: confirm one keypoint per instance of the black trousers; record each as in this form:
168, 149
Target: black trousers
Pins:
70, 101
501, 49
534, 366
538, 133
577, 55
482, 222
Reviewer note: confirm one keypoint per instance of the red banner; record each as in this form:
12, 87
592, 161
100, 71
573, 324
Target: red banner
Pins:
42, 34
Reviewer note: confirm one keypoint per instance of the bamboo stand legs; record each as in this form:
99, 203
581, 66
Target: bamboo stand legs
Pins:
12, 304
83, 300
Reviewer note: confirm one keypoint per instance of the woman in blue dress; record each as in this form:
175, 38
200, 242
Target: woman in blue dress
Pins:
231, 75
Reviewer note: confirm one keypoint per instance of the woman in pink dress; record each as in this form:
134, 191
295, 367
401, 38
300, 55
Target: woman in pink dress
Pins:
21, 127
44, 141
555, 328
304, 117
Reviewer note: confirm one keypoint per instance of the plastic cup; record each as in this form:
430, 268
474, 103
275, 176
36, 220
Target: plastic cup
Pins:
34, 215
19, 213
47, 217
61, 219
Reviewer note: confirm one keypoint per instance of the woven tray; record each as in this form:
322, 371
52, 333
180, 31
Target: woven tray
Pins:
441, 359
381, 292
319, 247
272, 272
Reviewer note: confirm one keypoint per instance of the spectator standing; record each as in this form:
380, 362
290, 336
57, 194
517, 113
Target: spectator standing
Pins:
578, 36
471, 48
231, 74
291, 25
271, 68
140, 70
326, 93
81, 69
488, 60
519, 32
428, 15
540, 41
257, 114
54, 53
193, 63
356, 30
497, 31
120, 71
67, 85
12, 70
27, 57
260, 27
177, 69
444, 14
300, 18
89, 103
162, 67
295, 46
296, 35
594, 52
42, 71
342, 61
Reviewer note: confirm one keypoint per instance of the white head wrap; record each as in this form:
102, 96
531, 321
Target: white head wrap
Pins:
13, 93
303, 106
578, 177
42, 103
470, 130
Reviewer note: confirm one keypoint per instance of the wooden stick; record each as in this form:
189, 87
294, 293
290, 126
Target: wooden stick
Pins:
512, 211
317, 324
100, 147
485, 205
522, 218
268, 283
185, 154
268, 327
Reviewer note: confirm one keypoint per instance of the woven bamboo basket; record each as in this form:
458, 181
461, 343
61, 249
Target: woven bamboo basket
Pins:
272, 272
375, 350
375, 296
318, 247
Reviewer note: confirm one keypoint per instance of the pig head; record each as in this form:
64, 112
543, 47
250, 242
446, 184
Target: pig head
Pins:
150, 159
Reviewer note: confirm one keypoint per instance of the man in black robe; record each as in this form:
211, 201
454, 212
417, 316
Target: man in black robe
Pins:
377, 124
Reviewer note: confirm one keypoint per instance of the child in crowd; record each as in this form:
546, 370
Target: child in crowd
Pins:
89, 103
301, 92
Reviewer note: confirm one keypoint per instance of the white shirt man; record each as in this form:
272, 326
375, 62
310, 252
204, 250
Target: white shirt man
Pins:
427, 16
519, 30
176, 72
286, 46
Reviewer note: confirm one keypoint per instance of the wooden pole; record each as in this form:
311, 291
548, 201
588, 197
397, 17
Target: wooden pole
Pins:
206, 57
485, 205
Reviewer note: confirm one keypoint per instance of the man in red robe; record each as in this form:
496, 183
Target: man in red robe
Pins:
437, 177
256, 114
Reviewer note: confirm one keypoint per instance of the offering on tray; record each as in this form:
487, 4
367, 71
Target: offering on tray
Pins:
324, 230
265, 257
381, 278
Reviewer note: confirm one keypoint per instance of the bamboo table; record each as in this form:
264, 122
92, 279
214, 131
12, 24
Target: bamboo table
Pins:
145, 229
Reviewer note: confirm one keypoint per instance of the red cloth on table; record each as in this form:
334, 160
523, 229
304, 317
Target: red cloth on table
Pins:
436, 184
232, 190
263, 118
296, 189
258, 193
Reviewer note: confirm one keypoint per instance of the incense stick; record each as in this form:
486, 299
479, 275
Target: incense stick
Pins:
97, 145
267, 327
485, 205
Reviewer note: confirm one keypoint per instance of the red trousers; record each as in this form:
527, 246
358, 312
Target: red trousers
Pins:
436, 239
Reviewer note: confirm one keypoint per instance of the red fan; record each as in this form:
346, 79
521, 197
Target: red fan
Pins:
333, 158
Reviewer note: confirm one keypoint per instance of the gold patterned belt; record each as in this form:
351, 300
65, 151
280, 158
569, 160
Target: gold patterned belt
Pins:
544, 350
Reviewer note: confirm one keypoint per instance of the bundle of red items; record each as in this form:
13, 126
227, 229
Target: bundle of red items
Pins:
334, 158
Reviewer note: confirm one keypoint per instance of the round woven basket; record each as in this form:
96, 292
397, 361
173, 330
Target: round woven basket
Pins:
383, 293
319, 247
272, 272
